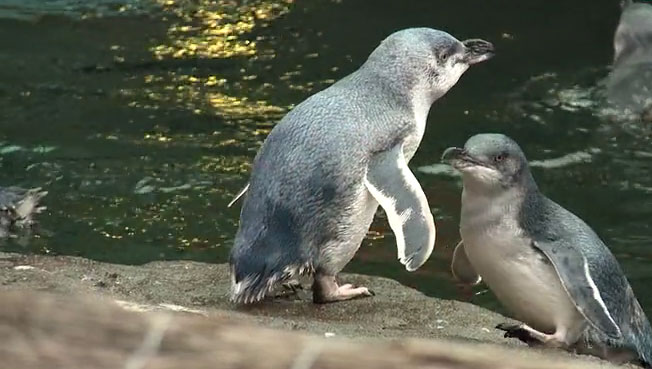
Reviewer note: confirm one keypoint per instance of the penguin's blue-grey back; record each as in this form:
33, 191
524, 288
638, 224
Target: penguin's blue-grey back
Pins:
640, 334
636, 330
545, 219
306, 176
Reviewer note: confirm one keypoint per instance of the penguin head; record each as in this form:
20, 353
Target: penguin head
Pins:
492, 161
426, 59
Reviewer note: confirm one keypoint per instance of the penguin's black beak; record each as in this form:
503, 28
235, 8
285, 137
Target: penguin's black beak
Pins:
459, 158
452, 153
477, 50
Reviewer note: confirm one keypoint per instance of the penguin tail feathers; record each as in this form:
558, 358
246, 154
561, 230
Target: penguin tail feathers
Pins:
641, 331
645, 356
644, 348
266, 253
253, 287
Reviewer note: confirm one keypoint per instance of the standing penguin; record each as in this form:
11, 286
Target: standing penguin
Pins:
629, 85
326, 166
541, 261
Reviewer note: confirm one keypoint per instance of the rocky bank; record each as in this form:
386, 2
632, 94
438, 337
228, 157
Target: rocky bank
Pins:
73, 312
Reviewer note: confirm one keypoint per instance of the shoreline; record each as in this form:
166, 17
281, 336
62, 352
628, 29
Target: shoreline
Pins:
199, 292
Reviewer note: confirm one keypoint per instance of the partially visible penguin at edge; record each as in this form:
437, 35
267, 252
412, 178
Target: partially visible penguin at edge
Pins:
18, 206
629, 85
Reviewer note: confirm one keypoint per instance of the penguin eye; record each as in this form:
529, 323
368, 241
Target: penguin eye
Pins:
500, 157
447, 52
444, 55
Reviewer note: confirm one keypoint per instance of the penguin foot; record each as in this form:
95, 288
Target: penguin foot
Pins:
326, 290
354, 291
292, 286
520, 331
534, 337
289, 289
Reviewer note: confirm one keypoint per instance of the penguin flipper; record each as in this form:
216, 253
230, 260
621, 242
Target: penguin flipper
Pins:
238, 195
573, 269
461, 267
392, 184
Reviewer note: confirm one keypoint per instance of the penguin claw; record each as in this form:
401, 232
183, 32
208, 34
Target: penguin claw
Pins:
508, 327
292, 286
345, 292
511, 330
326, 290
518, 331
365, 290
289, 289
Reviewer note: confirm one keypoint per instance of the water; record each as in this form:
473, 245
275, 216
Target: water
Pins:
142, 118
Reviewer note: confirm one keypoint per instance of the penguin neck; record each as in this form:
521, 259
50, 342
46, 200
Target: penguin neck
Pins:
420, 105
522, 184
401, 82
497, 199
403, 88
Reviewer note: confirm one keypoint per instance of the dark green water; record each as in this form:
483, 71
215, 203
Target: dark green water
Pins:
142, 118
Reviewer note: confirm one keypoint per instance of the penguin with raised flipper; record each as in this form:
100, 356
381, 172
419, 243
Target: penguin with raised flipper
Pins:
326, 166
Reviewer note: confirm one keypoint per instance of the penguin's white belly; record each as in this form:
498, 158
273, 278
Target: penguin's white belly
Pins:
522, 279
